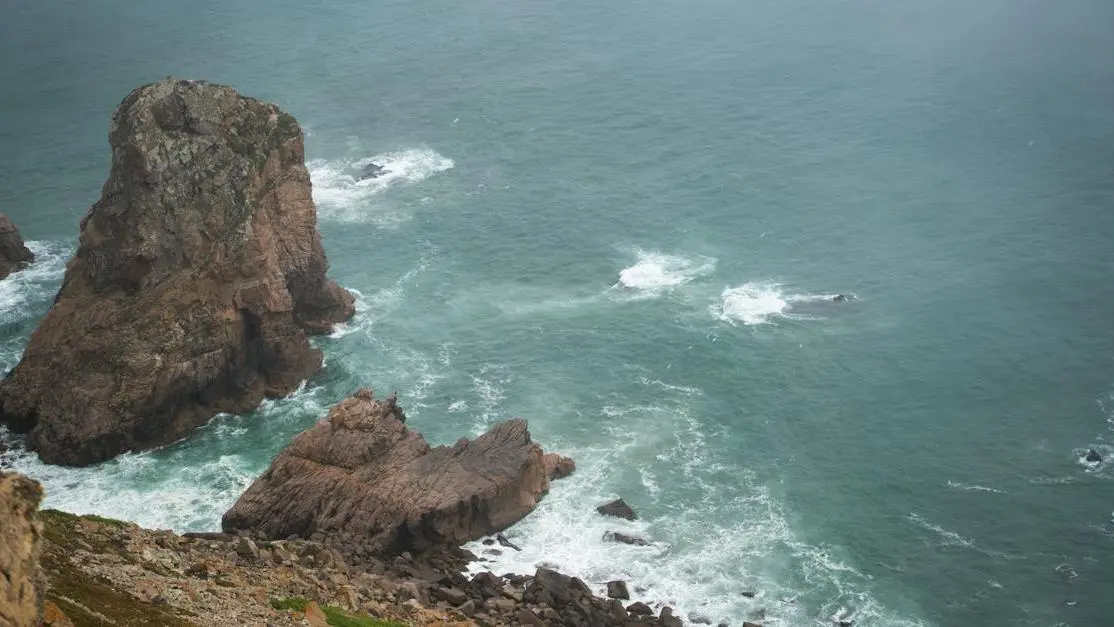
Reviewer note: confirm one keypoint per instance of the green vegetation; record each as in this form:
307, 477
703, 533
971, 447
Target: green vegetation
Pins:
335, 616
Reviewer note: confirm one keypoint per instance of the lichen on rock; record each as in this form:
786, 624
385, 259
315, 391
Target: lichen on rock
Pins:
199, 275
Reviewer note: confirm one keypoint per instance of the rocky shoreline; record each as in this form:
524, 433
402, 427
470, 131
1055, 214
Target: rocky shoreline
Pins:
199, 277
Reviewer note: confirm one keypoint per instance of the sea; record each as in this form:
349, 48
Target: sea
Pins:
628, 222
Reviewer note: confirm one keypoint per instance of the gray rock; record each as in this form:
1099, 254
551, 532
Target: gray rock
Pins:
617, 508
617, 590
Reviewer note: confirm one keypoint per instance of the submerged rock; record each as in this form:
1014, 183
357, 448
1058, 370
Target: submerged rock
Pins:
617, 508
198, 276
22, 585
367, 483
1093, 456
615, 536
372, 171
14, 254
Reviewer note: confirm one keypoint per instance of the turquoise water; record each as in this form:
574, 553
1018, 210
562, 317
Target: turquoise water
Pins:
622, 222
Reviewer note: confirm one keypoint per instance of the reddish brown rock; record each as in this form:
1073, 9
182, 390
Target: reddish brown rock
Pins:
21, 580
558, 466
198, 276
14, 254
370, 485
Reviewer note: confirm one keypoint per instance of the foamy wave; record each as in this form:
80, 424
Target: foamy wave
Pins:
37, 281
655, 272
715, 530
341, 195
763, 302
974, 488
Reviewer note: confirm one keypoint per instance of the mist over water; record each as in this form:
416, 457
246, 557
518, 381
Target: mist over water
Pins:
628, 224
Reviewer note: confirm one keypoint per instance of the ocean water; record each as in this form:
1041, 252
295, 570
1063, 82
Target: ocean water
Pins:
625, 222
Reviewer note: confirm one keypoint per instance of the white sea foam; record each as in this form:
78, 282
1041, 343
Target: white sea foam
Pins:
763, 302
341, 195
655, 272
974, 488
37, 281
725, 535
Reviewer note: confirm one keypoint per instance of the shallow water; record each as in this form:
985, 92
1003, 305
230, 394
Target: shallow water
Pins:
624, 223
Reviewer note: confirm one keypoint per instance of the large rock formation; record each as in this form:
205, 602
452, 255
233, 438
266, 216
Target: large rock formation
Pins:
366, 483
14, 254
199, 273
21, 583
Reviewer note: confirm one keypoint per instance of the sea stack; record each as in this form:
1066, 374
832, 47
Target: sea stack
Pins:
14, 254
363, 481
198, 276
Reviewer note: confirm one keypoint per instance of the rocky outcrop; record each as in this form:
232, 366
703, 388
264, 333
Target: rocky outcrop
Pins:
371, 486
14, 254
21, 583
198, 276
617, 508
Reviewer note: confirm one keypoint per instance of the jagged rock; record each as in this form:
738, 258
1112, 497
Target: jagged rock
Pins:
198, 276
370, 485
617, 590
22, 585
638, 608
372, 171
14, 254
507, 543
451, 595
617, 508
615, 536
1093, 456
246, 549
558, 466
667, 618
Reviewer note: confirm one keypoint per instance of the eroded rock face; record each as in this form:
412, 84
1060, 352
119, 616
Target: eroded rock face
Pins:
371, 486
199, 273
21, 581
14, 254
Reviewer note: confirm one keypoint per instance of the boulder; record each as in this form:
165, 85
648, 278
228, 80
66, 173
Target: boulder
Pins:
617, 508
364, 481
1093, 456
198, 277
558, 466
14, 254
22, 585
615, 536
617, 590
638, 608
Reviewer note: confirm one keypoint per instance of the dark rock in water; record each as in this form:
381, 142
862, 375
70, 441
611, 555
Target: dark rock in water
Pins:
840, 298
14, 254
749, 594
199, 276
368, 484
507, 543
372, 171
667, 618
1093, 456
617, 508
488, 541
697, 618
638, 608
747, 623
615, 536
617, 590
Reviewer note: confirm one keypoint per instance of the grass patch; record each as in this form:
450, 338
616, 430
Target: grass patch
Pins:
335, 616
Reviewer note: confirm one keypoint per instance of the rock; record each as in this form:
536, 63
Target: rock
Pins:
468, 608
14, 254
667, 619
507, 543
638, 608
1093, 456
22, 584
558, 466
504, 605
615, 536
54, 617
246, 549
617, 508
750, 624
617, 590
749, 594
371, 485
315, 616
198, 277
697, 618
451, 595
372, 171
526, 617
